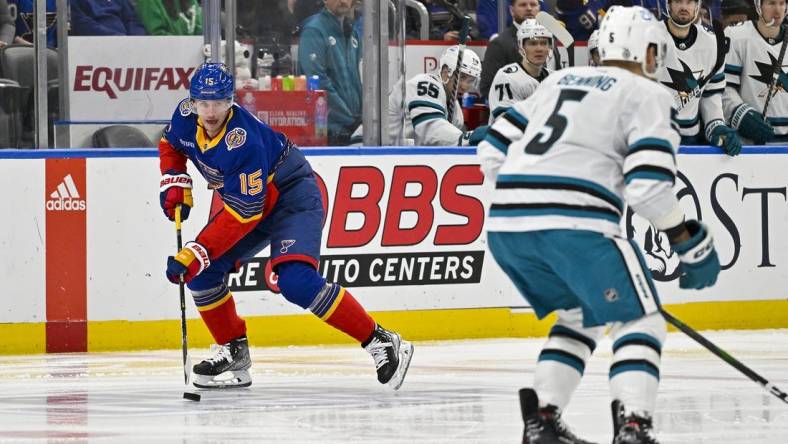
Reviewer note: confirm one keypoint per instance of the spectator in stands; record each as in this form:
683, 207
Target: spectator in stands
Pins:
504, 49
445, 20
7, 28
267, 21
104, 17
303, 9
171, 17
487, 17
331, 49
25, 22
582, 17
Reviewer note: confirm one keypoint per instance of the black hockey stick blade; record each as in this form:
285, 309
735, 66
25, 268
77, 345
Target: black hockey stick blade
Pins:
722, 354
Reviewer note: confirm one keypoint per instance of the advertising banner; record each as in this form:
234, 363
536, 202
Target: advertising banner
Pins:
403, 229
130, 78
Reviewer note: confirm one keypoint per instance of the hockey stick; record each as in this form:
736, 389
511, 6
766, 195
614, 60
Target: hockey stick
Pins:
778, 68
184, 341
455, 75
560, 33
722, 50
722, 354
555, 28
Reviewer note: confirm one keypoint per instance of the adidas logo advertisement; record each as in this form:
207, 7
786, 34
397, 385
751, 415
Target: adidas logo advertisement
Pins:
66, 197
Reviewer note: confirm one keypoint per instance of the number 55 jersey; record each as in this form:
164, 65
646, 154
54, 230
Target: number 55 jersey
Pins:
585, 142
426, 115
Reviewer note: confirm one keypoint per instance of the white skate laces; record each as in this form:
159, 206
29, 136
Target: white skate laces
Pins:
377, 349
223, 354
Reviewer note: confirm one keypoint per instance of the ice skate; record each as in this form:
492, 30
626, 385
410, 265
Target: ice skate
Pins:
632, 428
544, 425
228, 368
392, 356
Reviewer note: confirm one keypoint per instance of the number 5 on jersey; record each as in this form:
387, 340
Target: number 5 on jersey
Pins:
556, 122
252, 183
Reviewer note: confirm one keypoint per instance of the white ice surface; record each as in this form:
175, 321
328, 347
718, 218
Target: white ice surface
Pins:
455, 392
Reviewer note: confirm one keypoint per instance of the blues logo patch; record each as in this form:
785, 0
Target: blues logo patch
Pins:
185, 107
235, 138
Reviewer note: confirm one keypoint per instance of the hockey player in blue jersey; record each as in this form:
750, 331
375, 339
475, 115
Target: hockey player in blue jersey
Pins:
270, 198
565, 162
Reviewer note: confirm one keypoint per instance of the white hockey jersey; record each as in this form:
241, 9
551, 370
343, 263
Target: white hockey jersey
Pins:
687, 62
511, 84
749, 67
582, 145
426, 118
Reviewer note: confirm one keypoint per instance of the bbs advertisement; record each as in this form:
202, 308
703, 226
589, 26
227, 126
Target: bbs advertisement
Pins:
410, 226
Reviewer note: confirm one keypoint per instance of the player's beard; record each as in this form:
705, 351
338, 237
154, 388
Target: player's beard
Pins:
685, 19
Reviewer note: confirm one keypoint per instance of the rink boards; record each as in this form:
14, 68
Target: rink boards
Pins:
83, 247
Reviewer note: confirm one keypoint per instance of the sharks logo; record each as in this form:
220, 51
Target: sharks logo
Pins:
660, 259
765, 73
685, 83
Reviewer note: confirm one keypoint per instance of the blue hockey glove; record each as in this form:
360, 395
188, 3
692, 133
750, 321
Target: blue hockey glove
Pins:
699, 262
175, 189
477, 135
752, 125
721, 135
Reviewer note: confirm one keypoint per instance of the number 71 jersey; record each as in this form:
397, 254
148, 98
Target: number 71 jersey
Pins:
587, 140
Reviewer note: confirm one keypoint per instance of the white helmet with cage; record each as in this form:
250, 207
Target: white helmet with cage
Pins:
471, 64
626, 33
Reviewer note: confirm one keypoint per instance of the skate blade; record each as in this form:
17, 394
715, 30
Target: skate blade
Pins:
405, 355
238, 379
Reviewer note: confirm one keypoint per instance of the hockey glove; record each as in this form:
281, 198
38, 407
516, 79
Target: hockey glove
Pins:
189, 262
477, 135
699, 262
175, 189
721, 135
752, 125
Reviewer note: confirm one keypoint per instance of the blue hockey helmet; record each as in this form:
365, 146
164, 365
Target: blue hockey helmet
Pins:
212, 81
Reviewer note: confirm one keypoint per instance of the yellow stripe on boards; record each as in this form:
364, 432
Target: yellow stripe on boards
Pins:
336, 303
23, 338
418, 325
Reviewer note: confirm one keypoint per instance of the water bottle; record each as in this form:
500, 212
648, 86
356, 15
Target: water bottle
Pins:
313, 83
321, 118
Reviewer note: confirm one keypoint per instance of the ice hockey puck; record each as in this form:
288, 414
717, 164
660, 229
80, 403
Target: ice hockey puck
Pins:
191, 396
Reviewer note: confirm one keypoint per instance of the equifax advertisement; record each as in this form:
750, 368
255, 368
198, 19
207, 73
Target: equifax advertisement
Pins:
130, 78
401, 231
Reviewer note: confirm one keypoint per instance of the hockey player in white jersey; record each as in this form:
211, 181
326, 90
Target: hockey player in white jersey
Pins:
749, 67
517, 81
427, 102
565, 162
593, 49
695, 58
